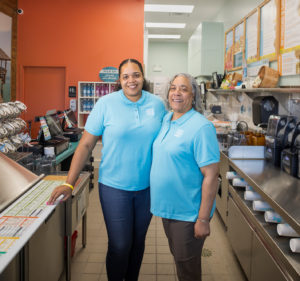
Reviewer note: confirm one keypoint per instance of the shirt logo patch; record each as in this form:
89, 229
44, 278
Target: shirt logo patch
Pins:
150, 112
178, 133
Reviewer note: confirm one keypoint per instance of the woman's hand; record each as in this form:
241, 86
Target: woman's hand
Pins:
201, 229
60, 190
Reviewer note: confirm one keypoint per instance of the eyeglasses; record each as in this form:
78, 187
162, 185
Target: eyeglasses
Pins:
135, 75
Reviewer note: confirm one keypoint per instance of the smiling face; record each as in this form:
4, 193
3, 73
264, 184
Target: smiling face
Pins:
180, 96
131, 79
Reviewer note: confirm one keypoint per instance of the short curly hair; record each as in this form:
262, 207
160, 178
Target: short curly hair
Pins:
197, 105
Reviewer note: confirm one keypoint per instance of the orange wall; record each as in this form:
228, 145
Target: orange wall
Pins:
82, 36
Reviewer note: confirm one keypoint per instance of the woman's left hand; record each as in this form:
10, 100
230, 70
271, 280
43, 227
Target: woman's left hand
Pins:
201, 229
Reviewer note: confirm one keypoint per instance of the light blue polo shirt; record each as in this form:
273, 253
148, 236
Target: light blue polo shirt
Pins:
181, 148
128, 130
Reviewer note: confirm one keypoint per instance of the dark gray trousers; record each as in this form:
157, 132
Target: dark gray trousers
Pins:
185, 248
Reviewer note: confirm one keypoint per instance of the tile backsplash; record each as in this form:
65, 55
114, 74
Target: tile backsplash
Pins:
241, 103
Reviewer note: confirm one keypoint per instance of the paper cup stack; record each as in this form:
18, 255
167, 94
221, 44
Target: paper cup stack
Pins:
261, 206
295, 245
251, 196
231, 175
273, 217
284, 229
239, 182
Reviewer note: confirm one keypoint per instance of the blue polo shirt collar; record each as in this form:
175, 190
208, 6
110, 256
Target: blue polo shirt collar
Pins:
128, 101
186, 116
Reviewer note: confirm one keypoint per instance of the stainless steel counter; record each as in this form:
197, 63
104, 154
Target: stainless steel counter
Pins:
276, 187
250, 236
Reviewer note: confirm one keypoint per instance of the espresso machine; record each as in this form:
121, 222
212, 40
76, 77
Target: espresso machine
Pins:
290, 155
276, 139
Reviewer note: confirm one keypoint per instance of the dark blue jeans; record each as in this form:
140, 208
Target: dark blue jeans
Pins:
127, 217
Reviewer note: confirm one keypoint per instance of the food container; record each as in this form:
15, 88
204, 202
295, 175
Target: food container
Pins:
268, 78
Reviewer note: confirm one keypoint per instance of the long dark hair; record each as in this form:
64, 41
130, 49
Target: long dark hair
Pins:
146, 86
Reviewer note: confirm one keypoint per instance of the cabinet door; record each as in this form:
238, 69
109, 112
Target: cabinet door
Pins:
13, 271
222, 195
240, 236
263, 265
46, 248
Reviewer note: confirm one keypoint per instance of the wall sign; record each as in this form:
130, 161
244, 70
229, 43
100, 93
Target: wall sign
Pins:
268, 30
239, 45
229, 50
289, 59
251, 38
109, 74
72, 91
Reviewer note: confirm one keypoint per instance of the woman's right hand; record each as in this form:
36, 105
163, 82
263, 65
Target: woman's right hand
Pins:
60, 190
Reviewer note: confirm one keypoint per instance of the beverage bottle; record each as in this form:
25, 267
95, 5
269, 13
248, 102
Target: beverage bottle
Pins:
102, 90
97, 94
88, 90
92, 90
84, 90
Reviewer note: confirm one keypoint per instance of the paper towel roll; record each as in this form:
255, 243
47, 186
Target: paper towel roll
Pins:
284, 229
239, 182
261, 206
251, 196
295, 245
231, 175
271, 216
249, 188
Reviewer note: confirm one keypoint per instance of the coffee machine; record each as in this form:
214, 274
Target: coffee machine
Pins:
290, 155
277, 132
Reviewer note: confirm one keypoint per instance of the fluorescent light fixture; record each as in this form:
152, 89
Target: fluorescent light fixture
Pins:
162, 36
169, 8
165, 25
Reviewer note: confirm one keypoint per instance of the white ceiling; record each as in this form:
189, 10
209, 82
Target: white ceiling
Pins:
227, 11
204, 10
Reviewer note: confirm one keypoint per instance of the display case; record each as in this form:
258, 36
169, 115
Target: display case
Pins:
88, 94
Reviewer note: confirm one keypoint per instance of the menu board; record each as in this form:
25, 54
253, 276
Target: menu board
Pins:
268, 26
251, 38
239, 45
289, 61
229, 50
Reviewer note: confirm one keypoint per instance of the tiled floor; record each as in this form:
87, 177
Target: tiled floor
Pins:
88, 264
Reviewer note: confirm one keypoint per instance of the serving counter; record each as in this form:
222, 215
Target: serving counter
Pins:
262, 253
35, 238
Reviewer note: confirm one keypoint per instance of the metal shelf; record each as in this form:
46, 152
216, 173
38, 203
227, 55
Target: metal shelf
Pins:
256, 90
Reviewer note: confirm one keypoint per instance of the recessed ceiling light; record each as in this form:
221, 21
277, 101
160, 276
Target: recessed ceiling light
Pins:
169, 8
165, 25
164, 36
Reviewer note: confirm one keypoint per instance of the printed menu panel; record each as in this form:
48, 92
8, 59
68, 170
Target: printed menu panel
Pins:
238, 45
251, 38
289, 61
229, 50
268, 25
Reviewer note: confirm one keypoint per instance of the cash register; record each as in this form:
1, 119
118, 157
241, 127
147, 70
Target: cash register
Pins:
70, 126
55, 138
